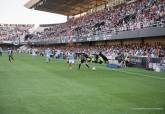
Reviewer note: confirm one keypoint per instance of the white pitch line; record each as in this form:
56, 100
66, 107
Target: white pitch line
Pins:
147, 108
128, 72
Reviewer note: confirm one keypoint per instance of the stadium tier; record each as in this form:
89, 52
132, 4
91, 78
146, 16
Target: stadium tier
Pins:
13, 32
133, 19
128, 20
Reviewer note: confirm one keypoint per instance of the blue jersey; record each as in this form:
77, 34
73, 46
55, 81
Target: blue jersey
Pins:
48, 52
71, 56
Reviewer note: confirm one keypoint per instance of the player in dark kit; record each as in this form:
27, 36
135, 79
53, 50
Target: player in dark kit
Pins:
83, 60
10, 53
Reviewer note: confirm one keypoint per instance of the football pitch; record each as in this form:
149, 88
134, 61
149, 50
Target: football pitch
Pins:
31, 86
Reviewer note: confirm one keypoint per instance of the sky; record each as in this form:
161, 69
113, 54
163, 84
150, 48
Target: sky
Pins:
14, 12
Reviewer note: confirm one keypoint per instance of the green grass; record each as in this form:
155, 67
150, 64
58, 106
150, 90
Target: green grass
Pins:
30, 86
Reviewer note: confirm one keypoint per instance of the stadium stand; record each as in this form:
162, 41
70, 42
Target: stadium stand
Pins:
138, 50
126, 17
12, 32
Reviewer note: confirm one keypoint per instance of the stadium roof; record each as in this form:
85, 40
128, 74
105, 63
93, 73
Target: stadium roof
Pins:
65, 7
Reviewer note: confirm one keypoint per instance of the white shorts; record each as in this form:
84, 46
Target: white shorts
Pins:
71, 61
47, 56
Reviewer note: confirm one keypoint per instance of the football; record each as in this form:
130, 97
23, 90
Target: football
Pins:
93, 68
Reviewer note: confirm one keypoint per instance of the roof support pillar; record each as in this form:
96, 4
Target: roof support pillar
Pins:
67, 18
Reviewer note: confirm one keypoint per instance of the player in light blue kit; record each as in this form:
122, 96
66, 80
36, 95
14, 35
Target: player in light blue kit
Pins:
47, 55
71, 59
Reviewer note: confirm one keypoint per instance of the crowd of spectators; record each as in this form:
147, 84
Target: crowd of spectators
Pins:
129, 16
12, 32
137, 50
